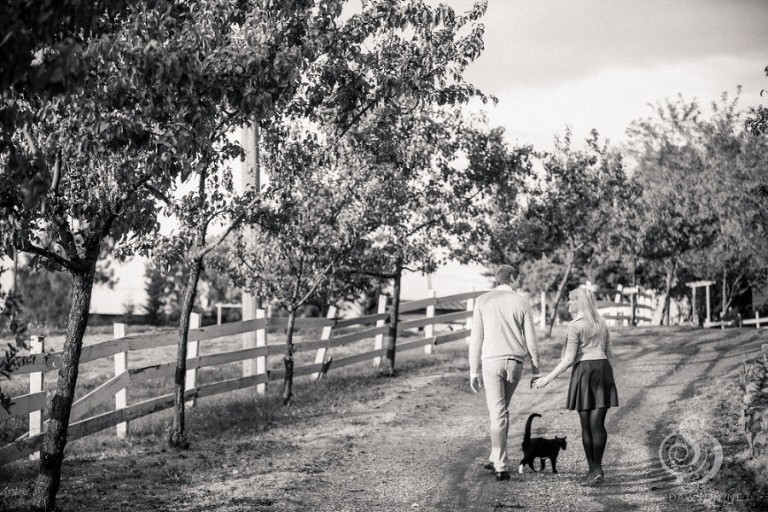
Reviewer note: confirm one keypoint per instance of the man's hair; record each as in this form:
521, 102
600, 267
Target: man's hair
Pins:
506, 274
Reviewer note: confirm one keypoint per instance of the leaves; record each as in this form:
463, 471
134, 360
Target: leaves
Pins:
703, 201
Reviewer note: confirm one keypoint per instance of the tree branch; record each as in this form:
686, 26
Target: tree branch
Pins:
378, 274
233, 225
56, 173
114, 212
422, 226
354, 121
157, 194
30, 140
47, 254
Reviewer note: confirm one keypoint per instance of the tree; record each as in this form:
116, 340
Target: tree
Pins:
54, 31
39, 54
85, 167
570, 207
391, 54
431, 205
165, 290
757, 123
669, 221
157, 290
703, 208
417, 55
734, 190
319, 214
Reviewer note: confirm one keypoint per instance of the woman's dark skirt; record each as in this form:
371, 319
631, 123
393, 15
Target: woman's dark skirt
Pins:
592, 386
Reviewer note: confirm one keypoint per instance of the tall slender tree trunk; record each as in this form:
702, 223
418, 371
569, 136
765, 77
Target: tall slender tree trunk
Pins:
669, 279
60, 404
633, 296
724, 301
178, 435
394, 320
288, 357
734, 290
15, 270
559, 294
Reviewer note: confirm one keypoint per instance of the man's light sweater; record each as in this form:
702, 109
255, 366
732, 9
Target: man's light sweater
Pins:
502, 328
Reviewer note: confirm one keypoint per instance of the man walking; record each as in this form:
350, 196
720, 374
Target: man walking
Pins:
503, 334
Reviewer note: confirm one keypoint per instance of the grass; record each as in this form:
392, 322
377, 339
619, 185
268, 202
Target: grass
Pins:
94, 373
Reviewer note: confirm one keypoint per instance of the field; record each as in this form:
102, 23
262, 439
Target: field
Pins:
358, 441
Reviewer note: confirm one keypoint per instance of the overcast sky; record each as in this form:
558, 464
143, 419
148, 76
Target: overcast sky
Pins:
598, 63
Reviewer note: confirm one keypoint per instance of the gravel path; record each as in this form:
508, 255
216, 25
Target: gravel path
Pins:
429, 439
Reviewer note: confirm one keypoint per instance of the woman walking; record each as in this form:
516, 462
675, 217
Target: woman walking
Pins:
592, 390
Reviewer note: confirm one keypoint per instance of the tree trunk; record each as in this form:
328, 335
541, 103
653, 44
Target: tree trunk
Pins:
559, 294
724, 302
15, 271
734, 291
670, 277
178, 435
60, 404
394, 320
288, 358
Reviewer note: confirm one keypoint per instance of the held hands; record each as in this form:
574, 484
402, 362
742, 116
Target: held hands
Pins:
539, 382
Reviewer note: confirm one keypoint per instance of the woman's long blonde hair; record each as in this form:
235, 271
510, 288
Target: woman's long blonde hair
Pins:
587, 306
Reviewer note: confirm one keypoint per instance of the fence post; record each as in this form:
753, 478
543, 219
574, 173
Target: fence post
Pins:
261, 341
326, 334
378, 341
36, 380
218, 314
121, 365
193, 350
468, 322
429, 330
757, 319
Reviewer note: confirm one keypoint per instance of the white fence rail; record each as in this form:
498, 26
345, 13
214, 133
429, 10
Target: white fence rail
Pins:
84, 421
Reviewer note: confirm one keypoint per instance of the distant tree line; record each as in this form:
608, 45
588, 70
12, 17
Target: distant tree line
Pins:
685, 200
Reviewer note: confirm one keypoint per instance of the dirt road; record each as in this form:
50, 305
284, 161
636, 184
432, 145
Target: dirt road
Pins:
424, 442
361, 442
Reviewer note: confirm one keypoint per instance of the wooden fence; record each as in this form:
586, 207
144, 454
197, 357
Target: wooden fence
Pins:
84, 421
757, 322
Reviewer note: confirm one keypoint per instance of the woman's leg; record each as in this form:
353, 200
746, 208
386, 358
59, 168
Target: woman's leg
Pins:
586, 438
599, 437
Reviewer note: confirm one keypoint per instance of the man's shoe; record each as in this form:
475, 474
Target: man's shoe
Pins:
489, 466
502, 475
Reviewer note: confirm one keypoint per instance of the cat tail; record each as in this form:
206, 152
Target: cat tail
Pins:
527, 436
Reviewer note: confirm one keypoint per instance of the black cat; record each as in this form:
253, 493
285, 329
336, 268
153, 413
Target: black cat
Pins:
540, 447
